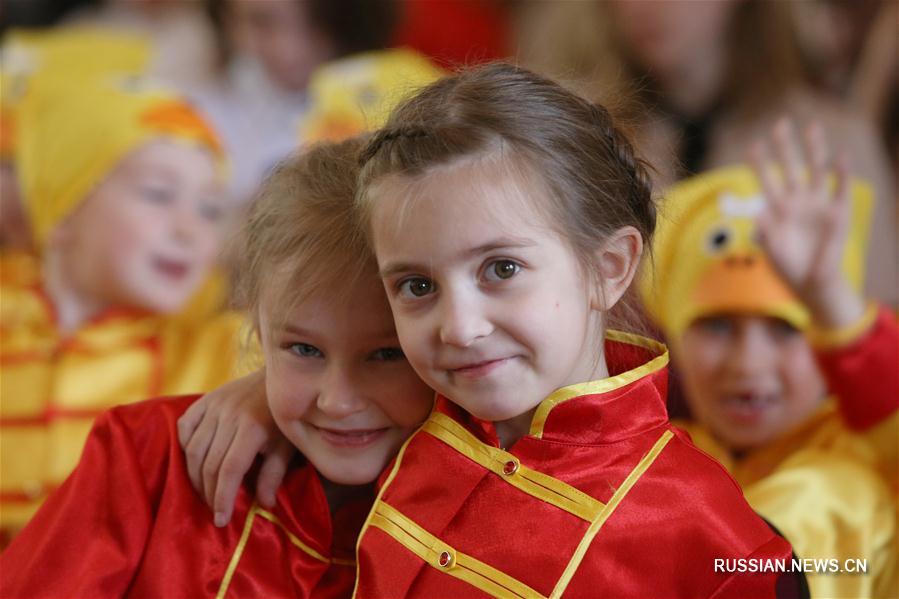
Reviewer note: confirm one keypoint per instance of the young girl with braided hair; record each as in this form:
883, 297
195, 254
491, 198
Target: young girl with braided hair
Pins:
508, 217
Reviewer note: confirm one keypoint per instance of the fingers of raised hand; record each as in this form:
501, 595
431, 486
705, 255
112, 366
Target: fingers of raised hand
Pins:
817, 150
789, 154
765, 170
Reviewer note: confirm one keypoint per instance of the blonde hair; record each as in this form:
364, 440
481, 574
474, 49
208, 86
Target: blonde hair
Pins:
301, 236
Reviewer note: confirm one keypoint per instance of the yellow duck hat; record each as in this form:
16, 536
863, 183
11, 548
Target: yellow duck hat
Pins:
30, 57
71, 133
357, 93
706, 259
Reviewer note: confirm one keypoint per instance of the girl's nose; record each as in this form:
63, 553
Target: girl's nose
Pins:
339, 397
463, 322
753, 350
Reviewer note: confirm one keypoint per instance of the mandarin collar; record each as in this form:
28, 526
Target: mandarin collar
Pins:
627, 403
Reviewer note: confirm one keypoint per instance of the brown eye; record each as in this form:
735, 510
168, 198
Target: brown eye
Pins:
502, 270
418, 287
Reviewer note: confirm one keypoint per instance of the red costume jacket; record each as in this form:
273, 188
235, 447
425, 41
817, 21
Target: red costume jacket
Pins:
128, 523
846, 366
602, 498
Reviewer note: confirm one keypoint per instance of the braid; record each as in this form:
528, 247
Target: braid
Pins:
636, 168
387, 135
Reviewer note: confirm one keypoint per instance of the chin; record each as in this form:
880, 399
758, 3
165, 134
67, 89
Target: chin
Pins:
498, 412
355, 475
741, 441
168, 304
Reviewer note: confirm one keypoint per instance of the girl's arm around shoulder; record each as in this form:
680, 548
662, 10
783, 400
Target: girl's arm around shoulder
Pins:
88, 538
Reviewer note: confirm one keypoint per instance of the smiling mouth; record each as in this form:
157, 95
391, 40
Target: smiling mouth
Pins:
748, 406
350, 438
172, 269
479, 369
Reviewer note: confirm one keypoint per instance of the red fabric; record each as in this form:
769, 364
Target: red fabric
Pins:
864, 375
662, 540
455, 32
128, 523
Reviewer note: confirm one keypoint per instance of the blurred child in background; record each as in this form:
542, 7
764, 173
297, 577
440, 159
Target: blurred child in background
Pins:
28, 58
756, 283
127, 522
700, 83
269, 51
121, 186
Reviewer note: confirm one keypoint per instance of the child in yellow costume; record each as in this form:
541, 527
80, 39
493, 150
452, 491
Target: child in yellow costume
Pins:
755, 283
357, 93
121, 188
28, 59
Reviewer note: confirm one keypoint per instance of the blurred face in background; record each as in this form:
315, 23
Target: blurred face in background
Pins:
148, 235
748, 378
282, 37
660, 36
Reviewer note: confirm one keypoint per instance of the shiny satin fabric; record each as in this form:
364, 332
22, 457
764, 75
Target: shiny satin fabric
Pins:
52, 387
128, 524
825, 487
633, 508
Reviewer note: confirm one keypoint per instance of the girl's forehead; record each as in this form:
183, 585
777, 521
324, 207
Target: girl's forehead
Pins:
354, 301
483, 191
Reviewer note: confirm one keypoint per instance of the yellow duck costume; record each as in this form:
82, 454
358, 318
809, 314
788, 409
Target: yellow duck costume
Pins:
818, 484
357, 93
28, 59
69, 137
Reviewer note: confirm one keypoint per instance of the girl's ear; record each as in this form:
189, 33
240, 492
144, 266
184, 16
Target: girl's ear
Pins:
615, 264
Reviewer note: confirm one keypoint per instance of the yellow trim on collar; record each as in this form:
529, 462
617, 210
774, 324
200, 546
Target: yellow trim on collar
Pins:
443, 557
256, 510
300, 544
626, 486
456, 564
824, 339
602, 385
371, 513
535, 484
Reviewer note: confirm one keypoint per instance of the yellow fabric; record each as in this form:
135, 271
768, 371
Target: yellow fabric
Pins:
71, 134
31, 57
357, 93
832, 338
19, 267
706, 260
820, 487
52, 387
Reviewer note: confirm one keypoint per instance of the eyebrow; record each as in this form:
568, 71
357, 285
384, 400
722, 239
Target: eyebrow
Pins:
502, 243
295, 330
